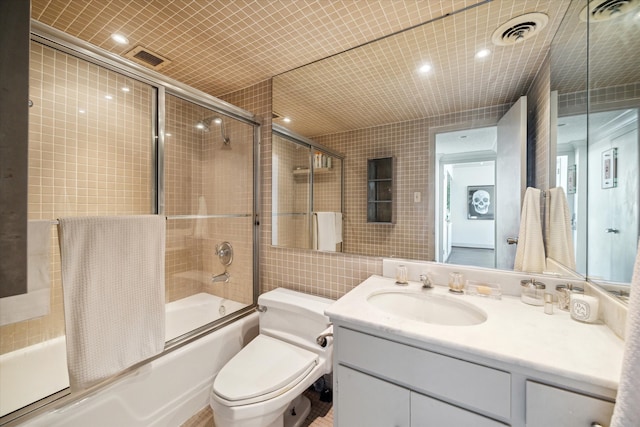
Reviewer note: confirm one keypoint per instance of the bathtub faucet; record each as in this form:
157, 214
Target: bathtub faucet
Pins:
224, 277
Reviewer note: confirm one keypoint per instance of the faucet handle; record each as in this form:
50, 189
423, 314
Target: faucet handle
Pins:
425, 278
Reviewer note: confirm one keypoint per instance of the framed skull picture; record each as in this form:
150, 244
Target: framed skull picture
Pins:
480, 202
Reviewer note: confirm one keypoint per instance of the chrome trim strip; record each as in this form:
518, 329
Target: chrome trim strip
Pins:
247, 215
159, 160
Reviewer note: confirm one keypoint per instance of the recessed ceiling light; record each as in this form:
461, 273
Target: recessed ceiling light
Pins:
167, 134
483, 53
286, 120
82, 111
125, 89
119, 38
108, 97
217, 120
425, 68
200, 125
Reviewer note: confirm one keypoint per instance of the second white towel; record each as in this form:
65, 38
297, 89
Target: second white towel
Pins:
530, 253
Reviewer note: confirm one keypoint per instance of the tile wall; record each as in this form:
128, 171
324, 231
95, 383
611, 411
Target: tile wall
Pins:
91, 153
204, 176
334, 274
88, 155
412, 235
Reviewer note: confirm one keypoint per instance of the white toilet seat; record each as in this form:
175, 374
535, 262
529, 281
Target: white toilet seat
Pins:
265, 368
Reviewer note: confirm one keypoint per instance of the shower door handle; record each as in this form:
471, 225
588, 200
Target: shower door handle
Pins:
612, 230
512, 240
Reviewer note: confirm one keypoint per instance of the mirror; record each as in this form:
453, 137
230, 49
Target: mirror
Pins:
307, 193
380, 100
591, 121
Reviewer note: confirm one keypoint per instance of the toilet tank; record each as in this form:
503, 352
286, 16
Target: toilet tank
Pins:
294, 317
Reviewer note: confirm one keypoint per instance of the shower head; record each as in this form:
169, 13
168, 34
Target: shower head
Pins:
205, 124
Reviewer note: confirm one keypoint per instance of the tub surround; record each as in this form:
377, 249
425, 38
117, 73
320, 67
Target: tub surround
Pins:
154, 395
523, 352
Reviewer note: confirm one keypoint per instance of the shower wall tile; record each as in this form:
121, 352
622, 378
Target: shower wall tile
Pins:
88, 155
204, 176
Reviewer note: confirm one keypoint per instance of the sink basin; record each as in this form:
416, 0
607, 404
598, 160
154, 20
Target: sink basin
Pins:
427, 308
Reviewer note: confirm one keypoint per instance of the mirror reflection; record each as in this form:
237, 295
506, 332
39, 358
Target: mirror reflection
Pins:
395, 97
307, 193
596, 159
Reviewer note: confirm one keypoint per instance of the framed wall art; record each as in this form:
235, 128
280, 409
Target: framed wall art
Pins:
480, 202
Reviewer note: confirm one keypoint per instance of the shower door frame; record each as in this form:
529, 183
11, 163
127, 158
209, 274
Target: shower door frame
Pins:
162, 85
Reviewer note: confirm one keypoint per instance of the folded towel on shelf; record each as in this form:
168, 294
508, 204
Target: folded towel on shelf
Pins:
627, 410
530, 255
36, 302
113, 286
559, 236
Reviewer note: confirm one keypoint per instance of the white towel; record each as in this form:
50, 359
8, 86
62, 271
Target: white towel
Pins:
530, 252
338, 227
113, 286
559, 237
325, 231
36, 302
627, 410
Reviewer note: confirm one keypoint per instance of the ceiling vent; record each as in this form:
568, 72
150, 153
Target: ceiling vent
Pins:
604, 10
520, 28
147, 58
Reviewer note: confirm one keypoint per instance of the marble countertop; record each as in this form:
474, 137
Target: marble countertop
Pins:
514, 332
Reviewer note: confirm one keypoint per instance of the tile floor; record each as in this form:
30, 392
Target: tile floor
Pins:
472, 256
321, 414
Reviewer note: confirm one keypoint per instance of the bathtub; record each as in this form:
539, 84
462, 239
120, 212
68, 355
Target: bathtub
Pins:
164, 392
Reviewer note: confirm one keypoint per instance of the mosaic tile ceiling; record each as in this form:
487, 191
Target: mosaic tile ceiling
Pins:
226, 45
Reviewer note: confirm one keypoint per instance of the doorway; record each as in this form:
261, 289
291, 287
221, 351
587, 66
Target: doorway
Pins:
465, 219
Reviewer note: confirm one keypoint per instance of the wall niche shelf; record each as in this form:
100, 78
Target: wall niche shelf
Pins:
380, 174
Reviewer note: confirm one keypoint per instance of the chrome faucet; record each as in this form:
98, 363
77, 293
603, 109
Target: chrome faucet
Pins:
427, 283
224, 277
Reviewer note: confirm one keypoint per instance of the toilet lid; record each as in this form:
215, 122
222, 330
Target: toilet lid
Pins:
263, 366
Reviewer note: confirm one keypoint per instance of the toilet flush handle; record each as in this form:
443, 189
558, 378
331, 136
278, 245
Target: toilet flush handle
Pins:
323, 338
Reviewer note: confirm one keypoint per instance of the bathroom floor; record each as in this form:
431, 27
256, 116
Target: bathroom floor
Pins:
321, 414
472, 256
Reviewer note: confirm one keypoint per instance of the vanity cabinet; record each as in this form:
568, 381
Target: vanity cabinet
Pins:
552, 406
369, 401
379, 381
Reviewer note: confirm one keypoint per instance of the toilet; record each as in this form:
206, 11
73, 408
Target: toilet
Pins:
262, 385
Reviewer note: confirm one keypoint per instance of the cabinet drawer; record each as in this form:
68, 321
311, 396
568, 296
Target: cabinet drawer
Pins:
551, 406
462, 383
426, 411
365, 401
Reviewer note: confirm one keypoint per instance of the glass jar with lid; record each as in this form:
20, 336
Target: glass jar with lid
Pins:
532, 292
